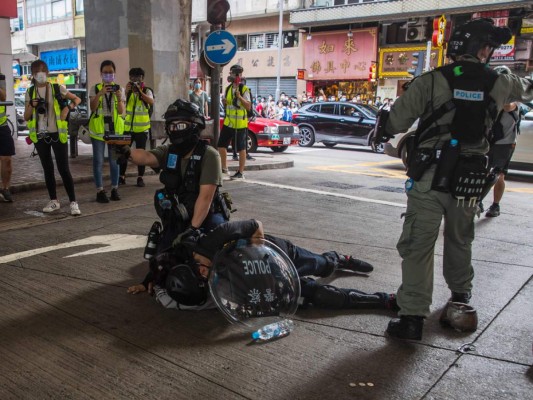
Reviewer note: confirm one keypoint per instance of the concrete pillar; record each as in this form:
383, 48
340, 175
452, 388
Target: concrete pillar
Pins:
152, 34
6, 64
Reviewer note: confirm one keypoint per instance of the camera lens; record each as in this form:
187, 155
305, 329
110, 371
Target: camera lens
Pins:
41, 107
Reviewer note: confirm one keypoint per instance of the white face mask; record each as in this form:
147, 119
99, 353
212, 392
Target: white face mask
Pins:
40, 77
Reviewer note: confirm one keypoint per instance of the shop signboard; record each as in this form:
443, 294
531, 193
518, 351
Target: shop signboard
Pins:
395, 61
506, 52
339, 55
61, 60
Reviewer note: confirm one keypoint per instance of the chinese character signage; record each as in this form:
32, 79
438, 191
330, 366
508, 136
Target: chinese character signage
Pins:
395, 61
340, 56
59, 60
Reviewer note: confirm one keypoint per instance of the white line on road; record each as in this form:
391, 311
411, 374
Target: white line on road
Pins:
324, 193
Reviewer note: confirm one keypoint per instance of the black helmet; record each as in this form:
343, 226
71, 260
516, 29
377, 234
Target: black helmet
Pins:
183, 123
473, 35
236, 69
185, 286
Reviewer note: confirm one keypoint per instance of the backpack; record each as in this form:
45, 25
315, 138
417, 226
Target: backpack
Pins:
287, 115
249, 113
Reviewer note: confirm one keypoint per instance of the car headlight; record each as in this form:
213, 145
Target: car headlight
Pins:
296, 129
271, 129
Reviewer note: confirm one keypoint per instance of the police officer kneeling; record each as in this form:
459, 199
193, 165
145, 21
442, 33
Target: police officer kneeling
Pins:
447, 165
191, 175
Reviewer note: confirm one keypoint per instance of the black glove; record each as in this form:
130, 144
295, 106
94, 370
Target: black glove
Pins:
189, 237
122, 153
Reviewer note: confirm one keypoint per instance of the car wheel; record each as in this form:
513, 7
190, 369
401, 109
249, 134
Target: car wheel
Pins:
403, 156
307, 136
251, 142
378, 148
330, 144
279, 149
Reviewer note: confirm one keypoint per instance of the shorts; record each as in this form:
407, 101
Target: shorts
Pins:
500, 156
7, 144
228, 135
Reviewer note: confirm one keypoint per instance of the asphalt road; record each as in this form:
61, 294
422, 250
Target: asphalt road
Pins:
69, 330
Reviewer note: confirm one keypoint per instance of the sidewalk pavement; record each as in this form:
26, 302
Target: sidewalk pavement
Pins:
28, 172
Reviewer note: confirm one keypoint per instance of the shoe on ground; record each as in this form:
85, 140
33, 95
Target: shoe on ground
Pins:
235, 158
74, 208
52, 205
250, 158
5, 196
114, 195
101, 197
353, 264
224, 170
140, 181
406, 327
237, 175
493, 211
122, 180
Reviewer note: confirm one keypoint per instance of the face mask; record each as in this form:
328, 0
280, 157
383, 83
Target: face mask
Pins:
40, 77
197, 85
108, 78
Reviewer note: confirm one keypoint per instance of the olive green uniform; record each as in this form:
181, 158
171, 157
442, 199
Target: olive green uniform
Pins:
426, 207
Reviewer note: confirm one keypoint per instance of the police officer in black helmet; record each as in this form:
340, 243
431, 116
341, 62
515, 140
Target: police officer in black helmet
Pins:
456, 105
190, 172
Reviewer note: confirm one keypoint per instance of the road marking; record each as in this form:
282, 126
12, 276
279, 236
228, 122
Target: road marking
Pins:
368, 168
324, 193
114, 242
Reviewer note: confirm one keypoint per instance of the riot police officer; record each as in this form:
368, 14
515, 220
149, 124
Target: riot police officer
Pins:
190, 172
456, 104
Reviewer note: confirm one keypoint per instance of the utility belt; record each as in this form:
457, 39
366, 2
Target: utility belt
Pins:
464, 176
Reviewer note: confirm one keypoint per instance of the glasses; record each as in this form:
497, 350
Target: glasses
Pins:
180, 126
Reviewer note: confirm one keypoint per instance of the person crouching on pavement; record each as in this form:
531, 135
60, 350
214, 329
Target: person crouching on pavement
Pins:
191, 293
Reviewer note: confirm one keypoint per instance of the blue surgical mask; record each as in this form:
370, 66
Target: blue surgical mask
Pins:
108, 78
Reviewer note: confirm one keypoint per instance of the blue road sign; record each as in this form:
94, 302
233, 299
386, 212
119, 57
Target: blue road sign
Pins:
220, 47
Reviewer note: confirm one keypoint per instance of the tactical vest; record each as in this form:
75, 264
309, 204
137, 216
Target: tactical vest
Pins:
236, 117
62, 126
137, 116
96, 122
187, 188
471, 84
3, 115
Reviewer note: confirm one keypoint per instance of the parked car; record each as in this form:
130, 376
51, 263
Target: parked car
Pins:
264, 132
522, 157
335, 123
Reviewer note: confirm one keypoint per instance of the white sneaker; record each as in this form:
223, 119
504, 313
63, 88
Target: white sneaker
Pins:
52, 206
74, 208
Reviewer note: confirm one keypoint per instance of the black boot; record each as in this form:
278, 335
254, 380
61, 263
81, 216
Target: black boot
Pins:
406, 327
461, 297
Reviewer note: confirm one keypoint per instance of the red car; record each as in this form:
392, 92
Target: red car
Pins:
273, 133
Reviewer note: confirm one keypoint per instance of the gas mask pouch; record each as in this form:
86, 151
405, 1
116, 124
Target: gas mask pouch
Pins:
469, 178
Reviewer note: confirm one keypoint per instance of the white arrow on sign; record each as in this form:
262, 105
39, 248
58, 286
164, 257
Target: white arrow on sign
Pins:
226, 46
115, 242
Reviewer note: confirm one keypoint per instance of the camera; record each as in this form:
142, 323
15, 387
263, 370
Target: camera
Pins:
114, 87
41, 106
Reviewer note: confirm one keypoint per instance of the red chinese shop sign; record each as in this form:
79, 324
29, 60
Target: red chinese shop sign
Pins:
334, 55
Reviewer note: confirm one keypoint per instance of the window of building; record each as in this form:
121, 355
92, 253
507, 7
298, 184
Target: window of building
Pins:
17, 24
83, 59
290, 39
271, 40
257, 41
47, 10
79, 7
25, 69
242, 44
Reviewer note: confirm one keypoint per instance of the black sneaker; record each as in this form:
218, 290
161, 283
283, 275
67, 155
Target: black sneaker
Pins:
101, 197
237, 175
461, 297
5, 196
122, 180
406, 327
114, 195
249, 157
235, 158
140, 181
353, 264
493, 211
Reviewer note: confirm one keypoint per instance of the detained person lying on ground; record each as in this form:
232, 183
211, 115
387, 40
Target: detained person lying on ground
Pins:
196, 259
